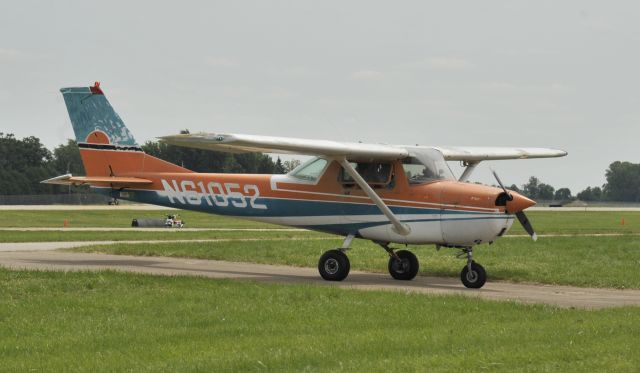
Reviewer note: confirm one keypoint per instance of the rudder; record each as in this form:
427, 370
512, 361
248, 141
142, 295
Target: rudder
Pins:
107, 147
93, 118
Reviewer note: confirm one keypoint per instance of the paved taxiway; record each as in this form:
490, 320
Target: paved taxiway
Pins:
40, 256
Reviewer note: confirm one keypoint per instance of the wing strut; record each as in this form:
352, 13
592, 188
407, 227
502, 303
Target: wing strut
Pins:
469, 167
398, 226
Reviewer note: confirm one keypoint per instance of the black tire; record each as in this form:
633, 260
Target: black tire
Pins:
334, 265
406, 268
474, 279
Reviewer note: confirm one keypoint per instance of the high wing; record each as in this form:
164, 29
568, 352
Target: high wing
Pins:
343, 152
286, 145
476, 154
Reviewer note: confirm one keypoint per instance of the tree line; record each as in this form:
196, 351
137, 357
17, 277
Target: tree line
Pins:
623, 185
25, 162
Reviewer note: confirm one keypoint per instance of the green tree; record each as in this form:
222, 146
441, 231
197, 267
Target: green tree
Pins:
534, 189
530, 189
590, 194
291, 164
545, 192
66, 159
562, 194
278, 167
623, 181
23, 164
200, 160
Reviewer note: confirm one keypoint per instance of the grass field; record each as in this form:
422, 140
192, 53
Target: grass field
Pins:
109, 321
543, 221
114, 321
580, 261
169, 234
117, 218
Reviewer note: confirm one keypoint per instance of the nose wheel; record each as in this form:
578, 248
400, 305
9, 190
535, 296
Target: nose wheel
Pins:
334, 265
473, 275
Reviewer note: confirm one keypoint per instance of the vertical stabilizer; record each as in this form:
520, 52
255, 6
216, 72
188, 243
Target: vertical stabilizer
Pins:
93, 118
107, 147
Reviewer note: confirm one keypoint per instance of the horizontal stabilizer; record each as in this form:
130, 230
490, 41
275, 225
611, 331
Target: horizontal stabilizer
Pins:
69, 179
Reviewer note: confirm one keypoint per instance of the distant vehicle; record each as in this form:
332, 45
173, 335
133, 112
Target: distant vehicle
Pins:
383, 193
174, 221
170, 221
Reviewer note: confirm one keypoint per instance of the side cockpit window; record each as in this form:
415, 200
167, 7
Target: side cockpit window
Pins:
311, 170
375, 174
417, 172
426, 169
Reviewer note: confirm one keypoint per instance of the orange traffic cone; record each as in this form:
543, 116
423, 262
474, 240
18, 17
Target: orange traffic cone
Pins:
66, 223
622, 221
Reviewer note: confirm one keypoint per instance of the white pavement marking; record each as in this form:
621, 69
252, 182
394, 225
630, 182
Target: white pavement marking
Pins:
574, 235
155, 207
177, 230
48, 246
587, 208
137, 229
85, 207
561, 296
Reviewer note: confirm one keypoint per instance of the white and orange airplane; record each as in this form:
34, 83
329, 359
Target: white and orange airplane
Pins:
383, 193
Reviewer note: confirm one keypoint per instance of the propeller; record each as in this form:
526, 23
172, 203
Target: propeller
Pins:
509, 196
522, 218
526, 224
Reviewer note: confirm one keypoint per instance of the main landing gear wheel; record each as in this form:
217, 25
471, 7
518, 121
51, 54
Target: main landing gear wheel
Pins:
473, 275
403, 265
334, 265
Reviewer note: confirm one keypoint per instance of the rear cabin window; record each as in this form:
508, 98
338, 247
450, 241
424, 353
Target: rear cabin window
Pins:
375, 174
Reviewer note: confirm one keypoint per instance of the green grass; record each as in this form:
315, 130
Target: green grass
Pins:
169, 234
117, 218
543, 221
580, 261
54, 321
580, 222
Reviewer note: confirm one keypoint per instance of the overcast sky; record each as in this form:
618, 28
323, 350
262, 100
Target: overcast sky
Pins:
562, 74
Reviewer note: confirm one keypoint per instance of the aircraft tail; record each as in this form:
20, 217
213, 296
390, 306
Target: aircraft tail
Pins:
107, 147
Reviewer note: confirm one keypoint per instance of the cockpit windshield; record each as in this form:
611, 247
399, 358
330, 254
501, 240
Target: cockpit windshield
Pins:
310, 170
426, 165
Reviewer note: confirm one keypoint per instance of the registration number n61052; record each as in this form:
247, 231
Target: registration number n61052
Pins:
213, 193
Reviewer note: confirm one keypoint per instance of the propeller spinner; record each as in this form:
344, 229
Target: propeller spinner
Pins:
515, 204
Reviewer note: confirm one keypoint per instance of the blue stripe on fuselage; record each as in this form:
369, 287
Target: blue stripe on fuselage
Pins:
290, 207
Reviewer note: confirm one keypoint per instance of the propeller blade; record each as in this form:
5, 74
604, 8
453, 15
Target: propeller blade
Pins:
526, 224
495, 174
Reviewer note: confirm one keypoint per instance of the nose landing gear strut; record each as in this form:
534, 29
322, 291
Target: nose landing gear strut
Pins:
473, 275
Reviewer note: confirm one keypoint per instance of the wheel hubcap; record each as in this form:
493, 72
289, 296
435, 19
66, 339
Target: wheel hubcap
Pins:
401, 266
472, 276
331, 266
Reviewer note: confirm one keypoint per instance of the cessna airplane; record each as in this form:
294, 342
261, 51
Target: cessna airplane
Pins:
389, 194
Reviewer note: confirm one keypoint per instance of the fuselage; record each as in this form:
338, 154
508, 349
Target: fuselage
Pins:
444, 212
